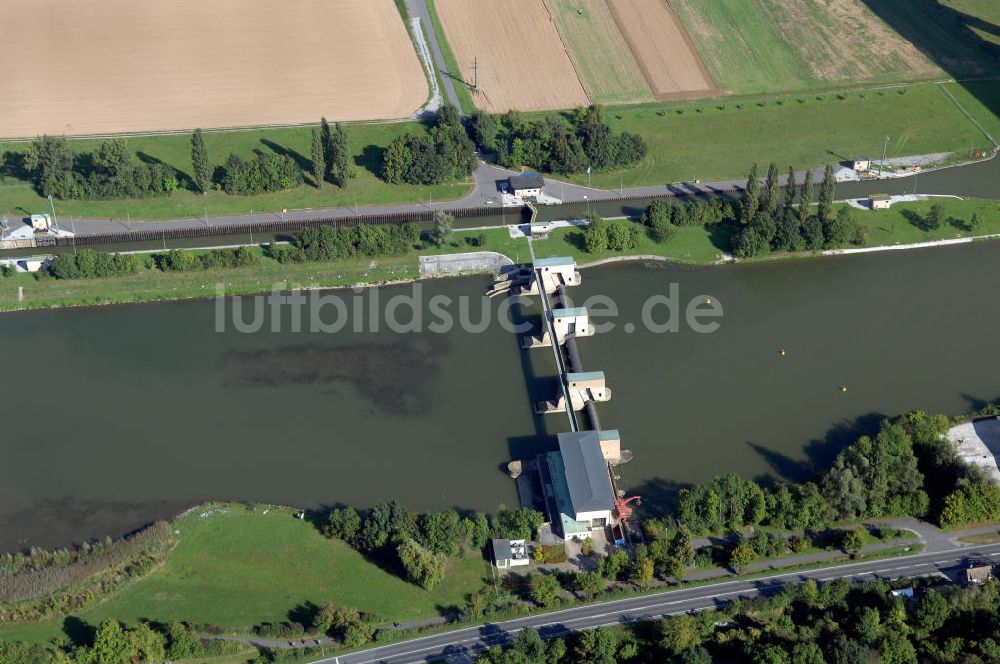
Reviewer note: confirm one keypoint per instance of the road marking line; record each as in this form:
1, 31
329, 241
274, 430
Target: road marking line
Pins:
501, 631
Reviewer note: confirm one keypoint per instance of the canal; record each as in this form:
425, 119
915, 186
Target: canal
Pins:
117, 415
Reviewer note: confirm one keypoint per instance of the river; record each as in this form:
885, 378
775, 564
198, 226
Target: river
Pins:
117, 415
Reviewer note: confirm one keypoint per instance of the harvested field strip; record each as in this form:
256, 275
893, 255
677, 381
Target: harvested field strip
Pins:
523, 63
662, 48
754, 46
605, 64
125, 66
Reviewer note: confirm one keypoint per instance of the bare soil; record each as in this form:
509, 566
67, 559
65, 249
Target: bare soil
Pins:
124, 66
523, 63
662, 48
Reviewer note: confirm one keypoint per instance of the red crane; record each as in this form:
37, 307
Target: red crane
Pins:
622, 510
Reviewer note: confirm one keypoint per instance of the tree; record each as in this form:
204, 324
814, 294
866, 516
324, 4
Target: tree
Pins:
344, 524
772, 190
595, 235
543, 589
805, 199
932, 220
657, 218
751, 196
897, 649
975, 223
589, 583
842, 229
326, 138
396, 161
111, 644
680, 553
932, 611
615, 565
791, 190
318, 159
182, 643
199, 161
340, 157
679, 633
826, 196
853, 541
148, 644
807, 653
741, 557
423, 567
869, 625
598, 646
442, 231
50, 161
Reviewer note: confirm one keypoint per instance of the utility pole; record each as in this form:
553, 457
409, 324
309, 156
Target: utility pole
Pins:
885, 146
53, 206
475, 75
73, 222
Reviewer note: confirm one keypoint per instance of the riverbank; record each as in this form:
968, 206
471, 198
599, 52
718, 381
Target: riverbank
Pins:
897, 227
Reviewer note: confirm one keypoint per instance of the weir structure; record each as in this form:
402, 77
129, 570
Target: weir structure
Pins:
578, 483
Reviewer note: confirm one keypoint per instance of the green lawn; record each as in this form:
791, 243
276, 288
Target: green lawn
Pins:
720, 139
367, 141
239, 568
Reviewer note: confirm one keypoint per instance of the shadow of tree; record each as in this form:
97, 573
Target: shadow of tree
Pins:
370, 159
305, 165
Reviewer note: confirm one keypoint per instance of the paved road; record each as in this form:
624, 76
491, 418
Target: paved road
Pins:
977, 179
418, 9
465, 644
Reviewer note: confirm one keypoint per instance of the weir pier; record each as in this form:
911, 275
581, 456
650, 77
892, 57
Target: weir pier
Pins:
577, 484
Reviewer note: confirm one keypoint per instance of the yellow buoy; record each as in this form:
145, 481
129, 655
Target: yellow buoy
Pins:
708, 300
782, 352
843, 388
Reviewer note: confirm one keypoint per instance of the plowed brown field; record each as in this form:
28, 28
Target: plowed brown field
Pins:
665, 53
125, 65
523, 63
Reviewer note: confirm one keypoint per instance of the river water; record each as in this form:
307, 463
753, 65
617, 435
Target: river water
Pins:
117, 415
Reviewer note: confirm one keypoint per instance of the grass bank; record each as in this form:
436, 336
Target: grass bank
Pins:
367, 142
238, 567
720, 139
690, 244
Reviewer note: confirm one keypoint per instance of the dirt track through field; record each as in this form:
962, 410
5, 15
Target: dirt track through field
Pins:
139, 65
523, 63
662, 47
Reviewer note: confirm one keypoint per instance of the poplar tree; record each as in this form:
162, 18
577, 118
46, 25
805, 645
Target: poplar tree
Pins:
771, 190
340, 159
199, 159
318, 159
327, 138
806, 198
826, 197
751, 196
791, 189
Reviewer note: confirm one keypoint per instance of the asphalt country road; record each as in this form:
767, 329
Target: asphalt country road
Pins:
466, 644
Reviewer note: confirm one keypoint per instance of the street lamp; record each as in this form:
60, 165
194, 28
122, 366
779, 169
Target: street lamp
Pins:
885, 146
53, 206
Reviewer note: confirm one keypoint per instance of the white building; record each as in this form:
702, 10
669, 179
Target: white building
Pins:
509, 553
41, 222
526, 185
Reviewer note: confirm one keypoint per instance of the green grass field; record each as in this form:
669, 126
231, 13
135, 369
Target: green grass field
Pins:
600, 55
754, 46
238, 568
721, 139
367, 141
